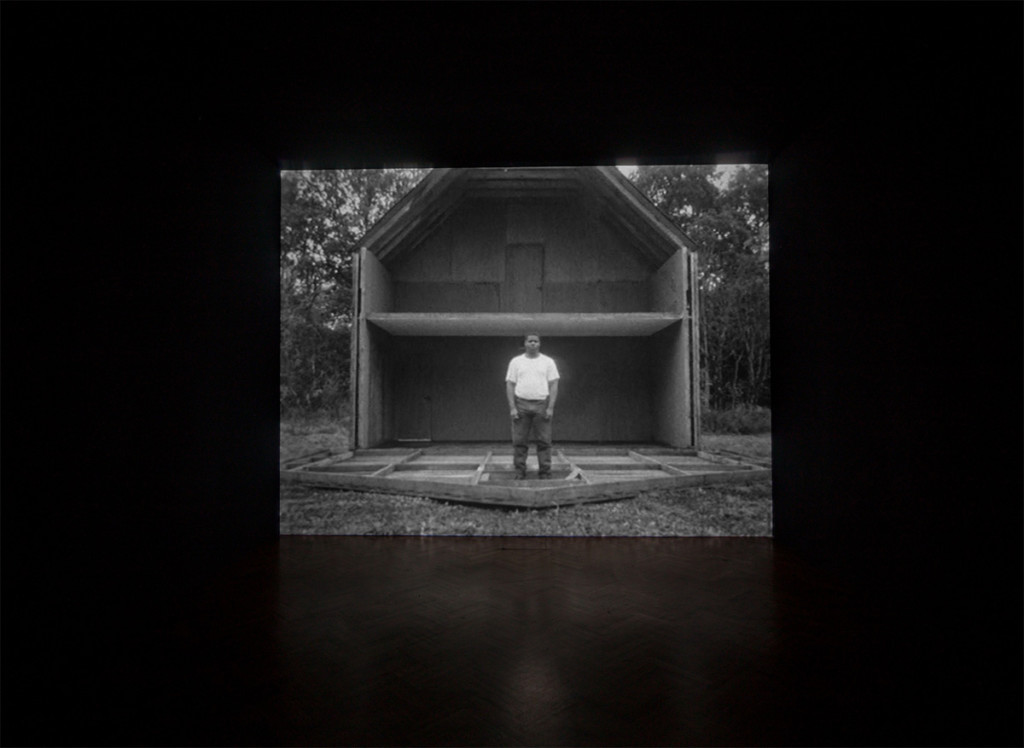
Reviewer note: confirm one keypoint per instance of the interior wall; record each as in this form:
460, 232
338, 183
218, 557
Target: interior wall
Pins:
604, 391
670, 373
461, 266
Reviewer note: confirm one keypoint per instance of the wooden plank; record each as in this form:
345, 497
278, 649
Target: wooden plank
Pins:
386, 234
721, 460
466, 464
693, 321
630, 195
308, 457
375, 296
480, 470
690, 468
337, 457
363, 468
524, 279
391, 466
497, 495
355, 359
627, 324
652, 461
574, 470
486, 495
759, 461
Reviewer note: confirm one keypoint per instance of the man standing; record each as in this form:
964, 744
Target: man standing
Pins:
531, 386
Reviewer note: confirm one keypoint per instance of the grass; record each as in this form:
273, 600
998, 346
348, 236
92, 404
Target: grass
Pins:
743, 419
718, 510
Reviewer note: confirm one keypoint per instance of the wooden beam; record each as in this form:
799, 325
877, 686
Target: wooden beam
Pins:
721, 460
335, 457
480, 470
536, 498
392, 465
433, 183
647, 243
628, 324
419, 226
672, 469
354, 347
627, 191
693, 312
574, 470
308, 457
426, 465
758, 461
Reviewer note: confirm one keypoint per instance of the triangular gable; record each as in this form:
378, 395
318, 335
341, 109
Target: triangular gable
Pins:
438, 193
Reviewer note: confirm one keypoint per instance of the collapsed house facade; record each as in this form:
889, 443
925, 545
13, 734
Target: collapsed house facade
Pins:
470, 260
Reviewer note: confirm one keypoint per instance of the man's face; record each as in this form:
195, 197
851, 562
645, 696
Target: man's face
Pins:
532, 345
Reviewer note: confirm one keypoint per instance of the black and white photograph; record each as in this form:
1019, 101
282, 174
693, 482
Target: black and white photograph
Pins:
578, 351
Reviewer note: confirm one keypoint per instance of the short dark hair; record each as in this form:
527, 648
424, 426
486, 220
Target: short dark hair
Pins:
531, 335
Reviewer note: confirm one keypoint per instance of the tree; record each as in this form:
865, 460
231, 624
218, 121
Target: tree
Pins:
725, 212
323, 215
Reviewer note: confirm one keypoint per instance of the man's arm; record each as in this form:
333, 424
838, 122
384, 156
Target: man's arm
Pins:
510, 395
552, 396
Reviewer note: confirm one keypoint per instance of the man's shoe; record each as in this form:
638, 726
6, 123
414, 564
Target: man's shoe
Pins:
520, 476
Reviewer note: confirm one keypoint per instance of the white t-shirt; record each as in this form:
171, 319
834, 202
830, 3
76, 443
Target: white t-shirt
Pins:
531, 375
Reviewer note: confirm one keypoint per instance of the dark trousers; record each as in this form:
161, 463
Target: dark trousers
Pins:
532, 418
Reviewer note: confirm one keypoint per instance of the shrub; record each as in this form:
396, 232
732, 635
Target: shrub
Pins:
744, 419
314, 366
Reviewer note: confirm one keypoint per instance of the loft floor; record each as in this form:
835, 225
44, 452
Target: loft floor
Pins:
482, 473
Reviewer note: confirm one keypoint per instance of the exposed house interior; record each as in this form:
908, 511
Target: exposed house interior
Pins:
148, 597
471, 259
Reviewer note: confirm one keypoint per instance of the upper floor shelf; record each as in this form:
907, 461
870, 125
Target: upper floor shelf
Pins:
631, 324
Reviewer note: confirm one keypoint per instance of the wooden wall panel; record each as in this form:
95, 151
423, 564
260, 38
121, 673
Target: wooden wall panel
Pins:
372, 420
597, 297
523, 291
355, 346
669, 283
430, 261
605, 393
526, 222
478, 230
693, 343
466, 397
587, 267
671, 386
581, 248
447, 297
675, 357
376, 284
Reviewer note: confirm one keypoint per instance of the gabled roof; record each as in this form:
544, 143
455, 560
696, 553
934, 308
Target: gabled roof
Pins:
616, 199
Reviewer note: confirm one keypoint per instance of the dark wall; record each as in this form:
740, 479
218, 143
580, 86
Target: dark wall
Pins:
896, 353
140, 193
896, 334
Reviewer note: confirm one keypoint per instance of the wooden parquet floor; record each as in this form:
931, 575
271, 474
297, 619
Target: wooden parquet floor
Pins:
520, 641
